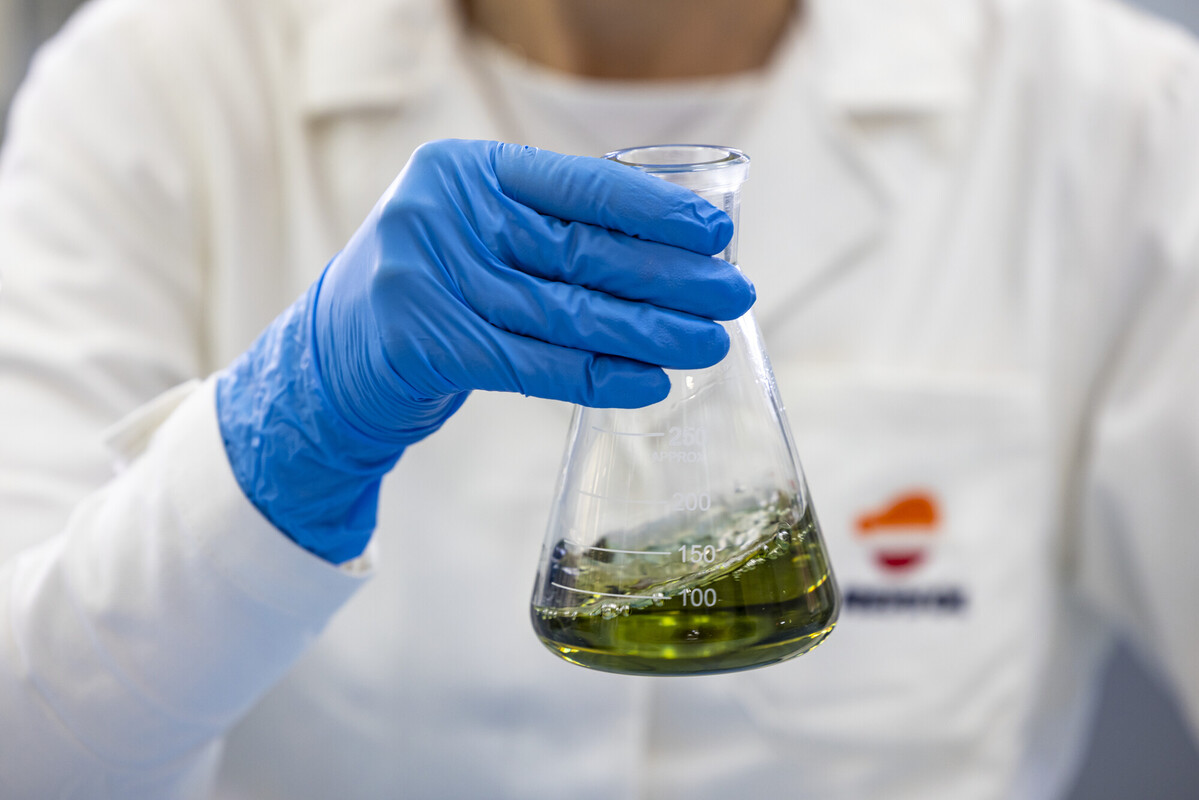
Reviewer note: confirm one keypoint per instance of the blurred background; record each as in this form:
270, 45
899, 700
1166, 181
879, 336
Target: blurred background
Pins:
25, 24
1140, 747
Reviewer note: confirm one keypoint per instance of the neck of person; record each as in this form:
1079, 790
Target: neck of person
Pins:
637, 39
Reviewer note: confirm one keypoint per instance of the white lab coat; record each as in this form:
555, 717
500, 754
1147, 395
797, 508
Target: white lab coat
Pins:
974, 228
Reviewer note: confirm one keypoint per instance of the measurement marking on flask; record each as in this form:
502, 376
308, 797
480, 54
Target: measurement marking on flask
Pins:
630, 552
699, 597
625, 433
608, 594
625, 499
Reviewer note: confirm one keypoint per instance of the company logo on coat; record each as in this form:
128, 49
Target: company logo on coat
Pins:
900, 535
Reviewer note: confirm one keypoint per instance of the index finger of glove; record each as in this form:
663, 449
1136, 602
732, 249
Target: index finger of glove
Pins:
621, 265
611, 195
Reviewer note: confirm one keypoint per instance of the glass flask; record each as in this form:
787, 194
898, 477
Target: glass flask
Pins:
682, 540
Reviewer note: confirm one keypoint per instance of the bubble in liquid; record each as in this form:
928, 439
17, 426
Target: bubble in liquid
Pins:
609, 610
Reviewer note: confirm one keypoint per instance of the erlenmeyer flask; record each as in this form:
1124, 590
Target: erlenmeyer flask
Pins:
683, 540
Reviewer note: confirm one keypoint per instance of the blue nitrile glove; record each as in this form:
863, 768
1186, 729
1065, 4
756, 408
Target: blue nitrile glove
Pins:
484, 266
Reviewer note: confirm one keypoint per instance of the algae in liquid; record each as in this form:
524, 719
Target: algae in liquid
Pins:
753, 590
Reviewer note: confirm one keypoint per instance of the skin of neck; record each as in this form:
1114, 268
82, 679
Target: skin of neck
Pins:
637, 39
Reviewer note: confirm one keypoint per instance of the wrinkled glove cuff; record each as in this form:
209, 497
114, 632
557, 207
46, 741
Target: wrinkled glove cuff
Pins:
311, 473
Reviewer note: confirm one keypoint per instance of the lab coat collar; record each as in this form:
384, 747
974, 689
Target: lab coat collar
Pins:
370, 54
896, 56
870, 56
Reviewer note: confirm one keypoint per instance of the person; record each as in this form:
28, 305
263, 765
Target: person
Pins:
260, 542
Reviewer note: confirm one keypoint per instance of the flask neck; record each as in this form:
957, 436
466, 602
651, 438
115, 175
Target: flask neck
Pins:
727, 200
714, 173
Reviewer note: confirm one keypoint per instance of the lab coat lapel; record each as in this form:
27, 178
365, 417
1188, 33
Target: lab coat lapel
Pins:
834, 213
860, 61
834, 210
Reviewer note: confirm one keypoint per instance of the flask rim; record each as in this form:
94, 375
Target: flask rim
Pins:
696, 166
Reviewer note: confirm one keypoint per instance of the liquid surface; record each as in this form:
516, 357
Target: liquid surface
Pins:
752, 588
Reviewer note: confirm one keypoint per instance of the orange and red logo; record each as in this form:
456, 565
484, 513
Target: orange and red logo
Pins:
900, 534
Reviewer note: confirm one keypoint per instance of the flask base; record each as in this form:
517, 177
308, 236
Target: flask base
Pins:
776, 600
686, 658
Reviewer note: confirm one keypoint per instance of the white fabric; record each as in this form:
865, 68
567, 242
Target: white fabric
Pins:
976, 244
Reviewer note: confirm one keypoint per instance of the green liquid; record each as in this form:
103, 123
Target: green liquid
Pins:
754, 589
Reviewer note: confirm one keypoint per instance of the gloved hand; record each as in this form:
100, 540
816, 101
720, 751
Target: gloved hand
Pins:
484, 266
